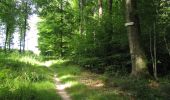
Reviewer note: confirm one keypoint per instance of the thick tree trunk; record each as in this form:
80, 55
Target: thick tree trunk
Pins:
139, 66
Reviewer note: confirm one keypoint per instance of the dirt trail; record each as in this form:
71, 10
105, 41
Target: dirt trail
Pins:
61, 89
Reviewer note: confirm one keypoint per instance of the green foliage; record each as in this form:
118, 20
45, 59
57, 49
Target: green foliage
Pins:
100, 44
54, 37
73, 29
14, 15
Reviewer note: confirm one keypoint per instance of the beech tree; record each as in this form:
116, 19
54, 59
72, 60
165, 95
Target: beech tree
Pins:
139, 65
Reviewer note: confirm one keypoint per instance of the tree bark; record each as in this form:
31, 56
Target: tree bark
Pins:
100, 8
155, 54
81, 5
138, 58
109, 30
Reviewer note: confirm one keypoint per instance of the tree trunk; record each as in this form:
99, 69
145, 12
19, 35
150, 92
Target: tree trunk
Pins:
25, 25
81, 4
20, 42
109, 30
139, 66
100, 8
6, 38
61, 34
9, 41
155, 54
110, 4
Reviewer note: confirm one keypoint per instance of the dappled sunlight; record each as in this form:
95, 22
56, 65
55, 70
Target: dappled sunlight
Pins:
153, 84
66, 77
60, 86
30, 60
48, 63
33, 61
66, 85
90, 79
140, 62
91, 82
61, 61
24, 78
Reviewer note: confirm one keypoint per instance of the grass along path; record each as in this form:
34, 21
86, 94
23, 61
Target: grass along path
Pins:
22, 77
81, 85
27, 78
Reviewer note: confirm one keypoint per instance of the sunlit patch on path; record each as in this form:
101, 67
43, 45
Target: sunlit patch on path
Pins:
48, 63
61, 88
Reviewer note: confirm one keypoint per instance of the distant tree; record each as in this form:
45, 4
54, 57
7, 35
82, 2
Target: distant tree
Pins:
8, 17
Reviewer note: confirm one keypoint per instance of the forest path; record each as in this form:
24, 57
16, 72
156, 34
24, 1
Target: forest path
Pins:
61, 89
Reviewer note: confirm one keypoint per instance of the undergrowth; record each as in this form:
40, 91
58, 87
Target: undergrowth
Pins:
76, 84
23, 77
84, 85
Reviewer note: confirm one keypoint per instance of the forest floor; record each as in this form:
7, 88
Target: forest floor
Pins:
61, 89
85, 85
30, 78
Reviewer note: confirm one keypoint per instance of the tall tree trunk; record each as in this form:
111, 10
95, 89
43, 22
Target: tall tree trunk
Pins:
9, 41
81, 4
20, 42
139, 66
155, 54
25, 25
109, 29
6, 38
61, 34
110, 5
100, 14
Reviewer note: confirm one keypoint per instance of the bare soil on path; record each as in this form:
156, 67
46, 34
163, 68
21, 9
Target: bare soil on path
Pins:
61, 89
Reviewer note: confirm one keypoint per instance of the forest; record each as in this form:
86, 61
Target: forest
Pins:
89, 50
